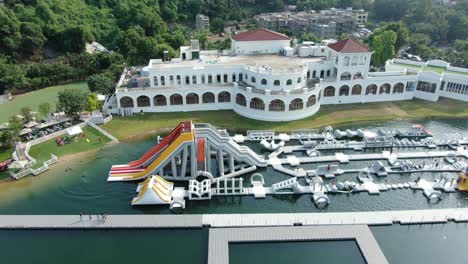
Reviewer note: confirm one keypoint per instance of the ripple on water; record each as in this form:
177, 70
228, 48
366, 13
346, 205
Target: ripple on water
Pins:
83, 186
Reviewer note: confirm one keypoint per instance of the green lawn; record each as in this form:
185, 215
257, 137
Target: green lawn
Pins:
33, 99
431, 68
125, 128
5, 153
41, 152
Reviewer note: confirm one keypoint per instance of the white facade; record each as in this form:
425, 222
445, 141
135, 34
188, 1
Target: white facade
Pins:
258, 47
279, 88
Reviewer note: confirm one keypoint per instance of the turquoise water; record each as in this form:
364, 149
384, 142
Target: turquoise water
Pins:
100, 246
330, 252
425, 244
81, 186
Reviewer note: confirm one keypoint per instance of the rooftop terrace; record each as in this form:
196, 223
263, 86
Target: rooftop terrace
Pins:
262, 62
435, 69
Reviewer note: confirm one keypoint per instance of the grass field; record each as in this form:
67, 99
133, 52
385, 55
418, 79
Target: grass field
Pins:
34, 99
126, 128
41, 152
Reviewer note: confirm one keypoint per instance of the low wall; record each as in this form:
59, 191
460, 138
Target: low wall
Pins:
457, 69
409, 62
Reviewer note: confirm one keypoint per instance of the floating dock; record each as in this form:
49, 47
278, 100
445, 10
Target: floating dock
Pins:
219, 239
233, 220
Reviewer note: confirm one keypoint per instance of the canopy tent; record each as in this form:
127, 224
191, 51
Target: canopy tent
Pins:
18, 164
25, 131
31, 124
74, 130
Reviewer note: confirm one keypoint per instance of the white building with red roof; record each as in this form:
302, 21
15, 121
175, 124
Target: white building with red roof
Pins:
259, 41
262, 77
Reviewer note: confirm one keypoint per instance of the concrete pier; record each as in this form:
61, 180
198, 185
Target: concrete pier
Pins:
233, 220
219, 239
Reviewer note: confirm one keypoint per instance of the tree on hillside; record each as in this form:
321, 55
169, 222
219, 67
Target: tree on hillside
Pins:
11, 76
74, 39
44, 109
101, 83
391, 9
72, 102
10, 36
33, 38
383, 46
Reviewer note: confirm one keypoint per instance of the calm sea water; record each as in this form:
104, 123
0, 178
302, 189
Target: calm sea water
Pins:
81, 186
418, 244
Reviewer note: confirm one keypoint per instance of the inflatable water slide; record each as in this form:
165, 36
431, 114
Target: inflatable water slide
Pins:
152, 160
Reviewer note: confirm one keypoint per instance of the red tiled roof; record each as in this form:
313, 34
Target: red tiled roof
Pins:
348, 46
259, 35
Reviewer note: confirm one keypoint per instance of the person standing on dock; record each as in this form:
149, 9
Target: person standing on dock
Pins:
81, 216
89, 217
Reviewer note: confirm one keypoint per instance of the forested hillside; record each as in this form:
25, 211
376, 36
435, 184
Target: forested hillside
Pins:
42, 41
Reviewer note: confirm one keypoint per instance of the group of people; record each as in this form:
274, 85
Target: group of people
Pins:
101, 216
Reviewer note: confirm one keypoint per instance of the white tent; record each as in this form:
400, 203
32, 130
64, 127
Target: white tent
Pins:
74, 130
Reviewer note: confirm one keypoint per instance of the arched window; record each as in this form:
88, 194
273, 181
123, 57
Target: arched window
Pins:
233, 77
208, 98
371, 89
296, 104
240, 100
191, 98
257, 103
159, 100
346, 61
240, 77
276, 83
143, 101
328, 73
163, 80
224, 97
344, 90
252, 79
322, 73
289, 82
312, 100
314, 74
126, 101
299, 80
385, 88
308, 74
194, 79
357, 89
225, 78
176, 99
276, 106
171, 80
210, 78
203, 80
329, 91
398, 88
264, 81
179, 82
345, 76
357, 76
354, 61
187, 79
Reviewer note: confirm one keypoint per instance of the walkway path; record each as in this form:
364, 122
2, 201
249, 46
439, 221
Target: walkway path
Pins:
233, 220
219, 239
